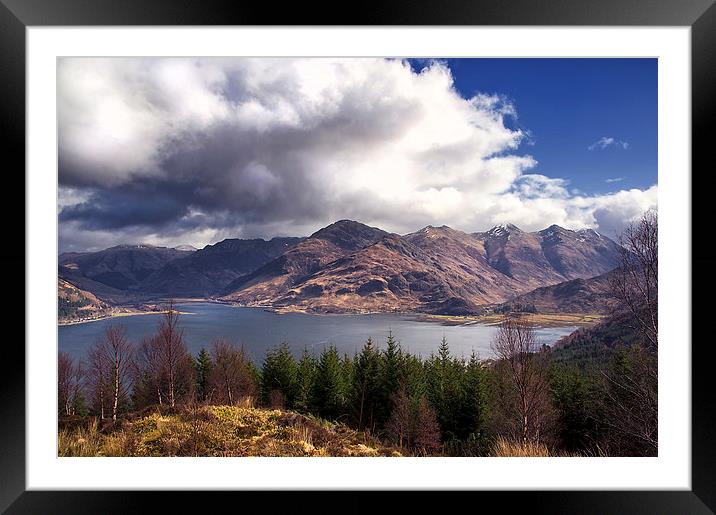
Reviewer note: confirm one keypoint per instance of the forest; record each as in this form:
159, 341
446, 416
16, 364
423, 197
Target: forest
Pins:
593, 395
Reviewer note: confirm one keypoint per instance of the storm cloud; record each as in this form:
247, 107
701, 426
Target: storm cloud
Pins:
171, 151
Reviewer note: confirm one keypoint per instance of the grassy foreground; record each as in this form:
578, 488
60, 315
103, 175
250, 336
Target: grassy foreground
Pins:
226, 431
217, 431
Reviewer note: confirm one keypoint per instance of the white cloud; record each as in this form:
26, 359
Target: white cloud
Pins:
614, 179
532, 186
244, 147
605, 142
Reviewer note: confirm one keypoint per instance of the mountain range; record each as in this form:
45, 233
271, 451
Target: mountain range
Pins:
352, 267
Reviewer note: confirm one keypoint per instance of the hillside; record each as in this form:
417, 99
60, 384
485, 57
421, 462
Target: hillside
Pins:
518, 255
205, 271
437, 270
122, 267
271, 282
595, 344
548, 256
218, 431
74, 303
590, 295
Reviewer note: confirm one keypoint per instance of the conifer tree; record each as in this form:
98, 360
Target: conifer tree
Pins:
444, 351
365, 394
329, 395
389, 377
443, 389
203, 366
472, 412
413, 376
306, 376
279, 374
347, 368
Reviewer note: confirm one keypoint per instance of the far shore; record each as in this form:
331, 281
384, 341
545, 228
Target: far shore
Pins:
118, 315
540, 320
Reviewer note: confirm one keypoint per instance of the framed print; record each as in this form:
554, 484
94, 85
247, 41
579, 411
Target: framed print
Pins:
416, 252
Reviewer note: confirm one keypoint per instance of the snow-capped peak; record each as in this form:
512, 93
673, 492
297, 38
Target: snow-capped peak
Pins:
502, 229
588, 231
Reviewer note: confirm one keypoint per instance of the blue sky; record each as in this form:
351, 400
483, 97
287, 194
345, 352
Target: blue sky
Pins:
569, 104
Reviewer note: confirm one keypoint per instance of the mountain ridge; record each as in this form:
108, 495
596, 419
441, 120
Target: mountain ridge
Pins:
435, 269
349, 266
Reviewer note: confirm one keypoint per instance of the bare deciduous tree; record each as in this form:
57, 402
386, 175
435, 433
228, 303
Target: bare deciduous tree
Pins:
98, 375
527, 373
173, 353
69, 383
427, 430
401, 421
64, 374
148, 366
630, 404
229, 379
635, 282
118, 351
77, 384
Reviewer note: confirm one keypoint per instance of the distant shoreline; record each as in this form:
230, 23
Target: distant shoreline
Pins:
540, 320
118, 315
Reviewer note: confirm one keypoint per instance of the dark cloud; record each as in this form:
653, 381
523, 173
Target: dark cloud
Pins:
113, 209
194, 150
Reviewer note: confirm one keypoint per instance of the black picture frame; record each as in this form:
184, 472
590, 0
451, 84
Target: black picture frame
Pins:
700, 15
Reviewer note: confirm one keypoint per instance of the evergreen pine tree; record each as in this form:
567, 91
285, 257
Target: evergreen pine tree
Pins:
444, 389
413, 376
329, 392
253, 373
203, 369
389, 377
365, 388
306, 376
444, 351
472, 413
347, 368
279, 376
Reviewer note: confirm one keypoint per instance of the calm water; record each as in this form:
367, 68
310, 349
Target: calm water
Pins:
259, 330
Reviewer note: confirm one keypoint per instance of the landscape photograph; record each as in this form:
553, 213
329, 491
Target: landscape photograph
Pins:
370, 257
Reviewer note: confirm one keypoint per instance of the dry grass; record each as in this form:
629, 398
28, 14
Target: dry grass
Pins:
505, 448
81, 441
222, 431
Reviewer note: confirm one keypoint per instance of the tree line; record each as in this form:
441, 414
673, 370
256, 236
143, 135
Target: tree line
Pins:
440, 404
